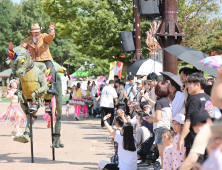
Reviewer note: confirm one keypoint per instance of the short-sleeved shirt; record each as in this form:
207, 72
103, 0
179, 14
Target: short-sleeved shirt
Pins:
195, 102
178, 157
201, 140
142, 134
164, 105
129, 91
127, 159
108, 94
167, 158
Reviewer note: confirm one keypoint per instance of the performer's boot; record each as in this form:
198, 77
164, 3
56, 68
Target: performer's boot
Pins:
53, 89
48, 108
33, 108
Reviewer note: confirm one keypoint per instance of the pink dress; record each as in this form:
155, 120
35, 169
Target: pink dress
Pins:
178, 157
14, 113
167, 158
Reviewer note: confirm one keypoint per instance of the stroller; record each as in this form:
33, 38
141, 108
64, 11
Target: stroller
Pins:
149, 151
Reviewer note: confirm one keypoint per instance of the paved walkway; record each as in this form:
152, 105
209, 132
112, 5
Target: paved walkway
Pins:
85, 145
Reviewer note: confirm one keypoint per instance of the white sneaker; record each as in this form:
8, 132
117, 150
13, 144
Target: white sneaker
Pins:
97, 116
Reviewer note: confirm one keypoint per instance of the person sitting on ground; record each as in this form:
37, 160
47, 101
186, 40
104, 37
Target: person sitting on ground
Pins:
127, 152
142, 133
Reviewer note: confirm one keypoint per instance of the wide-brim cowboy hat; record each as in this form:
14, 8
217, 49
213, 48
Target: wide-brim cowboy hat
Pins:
35, 28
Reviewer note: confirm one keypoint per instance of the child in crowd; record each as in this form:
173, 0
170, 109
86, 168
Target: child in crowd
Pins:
214, 147
178, 157
167, 139
67, 108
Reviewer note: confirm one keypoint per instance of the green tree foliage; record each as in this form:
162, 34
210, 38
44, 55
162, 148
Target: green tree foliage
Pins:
198, 20
96, 30
5, 28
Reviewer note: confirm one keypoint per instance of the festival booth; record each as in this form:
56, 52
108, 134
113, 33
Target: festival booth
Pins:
80, 77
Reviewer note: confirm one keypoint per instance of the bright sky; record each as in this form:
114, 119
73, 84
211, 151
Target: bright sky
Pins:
16, 1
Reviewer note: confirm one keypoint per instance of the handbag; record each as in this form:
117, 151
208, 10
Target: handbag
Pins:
125, 100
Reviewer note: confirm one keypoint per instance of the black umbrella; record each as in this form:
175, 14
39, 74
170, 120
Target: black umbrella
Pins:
191, 56
174, 79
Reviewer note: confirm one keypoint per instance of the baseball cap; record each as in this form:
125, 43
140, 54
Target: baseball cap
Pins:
197, 116
139, 81
179, 118
104, 84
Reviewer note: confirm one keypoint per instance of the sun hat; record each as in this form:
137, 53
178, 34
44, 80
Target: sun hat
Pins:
179, 118
139, 81
197, 116
35, 28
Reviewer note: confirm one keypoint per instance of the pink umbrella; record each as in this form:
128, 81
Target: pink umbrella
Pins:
213, 62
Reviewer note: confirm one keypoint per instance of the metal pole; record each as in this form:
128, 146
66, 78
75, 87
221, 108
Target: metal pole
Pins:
136, 21
31, 136
53, 150
169, 33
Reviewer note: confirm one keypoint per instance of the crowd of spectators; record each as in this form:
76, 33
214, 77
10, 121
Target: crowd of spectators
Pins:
184, 124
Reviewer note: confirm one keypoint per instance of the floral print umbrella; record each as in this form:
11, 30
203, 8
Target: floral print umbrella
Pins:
213, 62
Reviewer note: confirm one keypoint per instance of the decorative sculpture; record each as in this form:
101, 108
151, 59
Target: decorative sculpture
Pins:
151, 41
